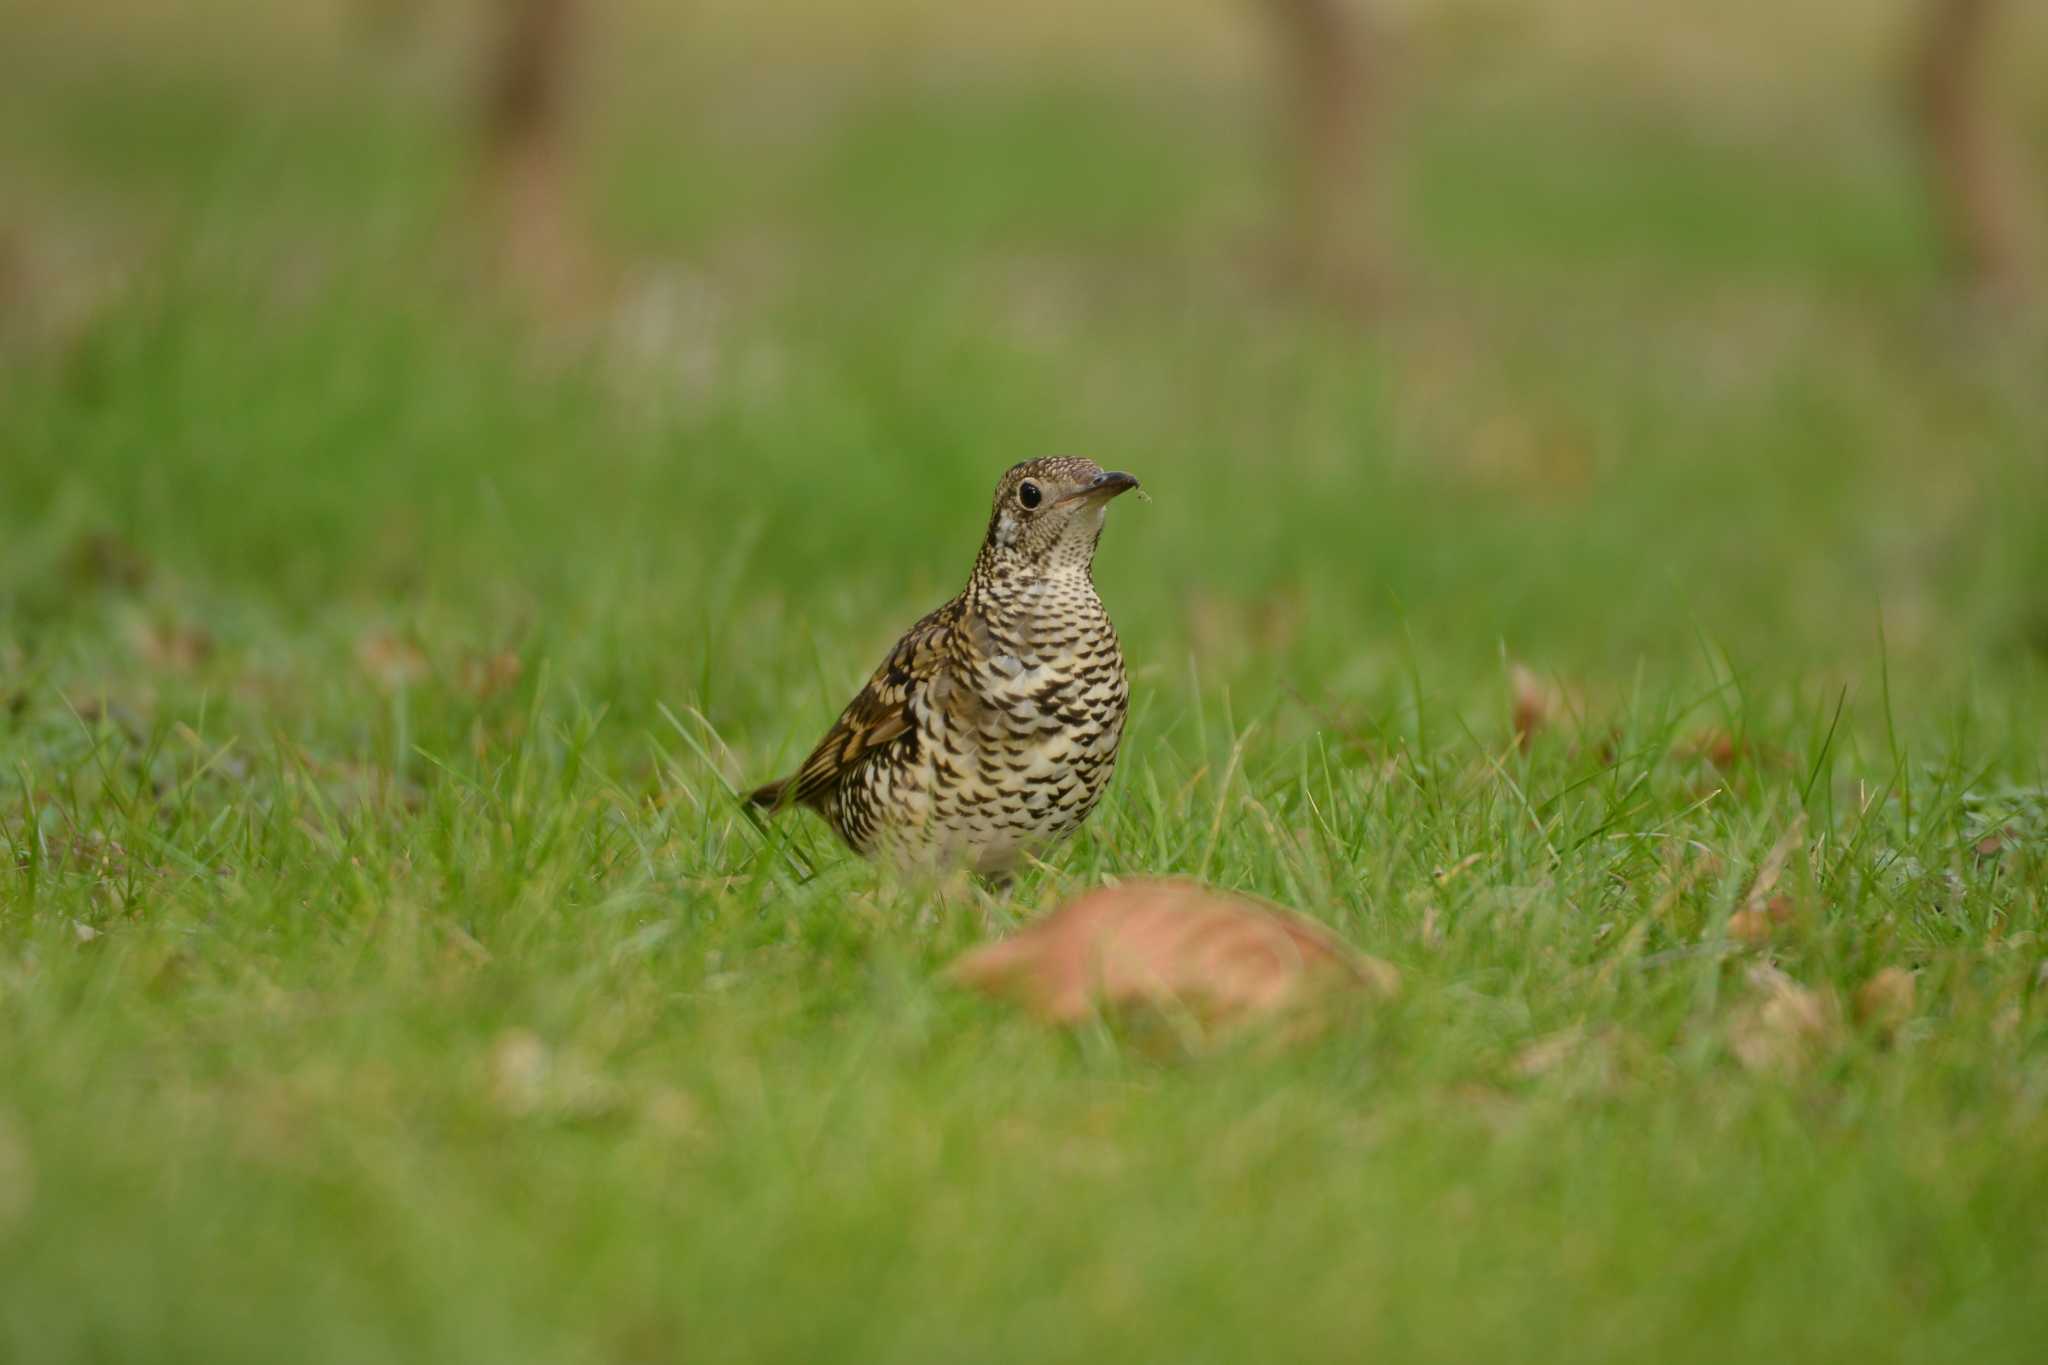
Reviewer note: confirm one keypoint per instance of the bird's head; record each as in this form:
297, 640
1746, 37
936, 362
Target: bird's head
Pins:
1048, 514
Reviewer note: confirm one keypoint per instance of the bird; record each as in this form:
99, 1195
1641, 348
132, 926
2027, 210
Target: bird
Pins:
990, 731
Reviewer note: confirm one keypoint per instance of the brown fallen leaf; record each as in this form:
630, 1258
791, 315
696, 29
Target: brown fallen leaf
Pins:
1997, 842
519, 1067
1788, 1029
1726, 750
1170, 945
1752, 925
392, 661
1749, 928
527, 1077
1536, 704
1715, 745
1885, 1002
486, 675
1766, 908
172, 647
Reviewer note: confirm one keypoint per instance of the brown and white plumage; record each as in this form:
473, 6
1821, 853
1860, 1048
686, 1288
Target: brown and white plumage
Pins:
990, 730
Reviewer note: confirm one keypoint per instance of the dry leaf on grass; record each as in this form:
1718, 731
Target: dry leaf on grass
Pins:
1997, 842
1715, 745
486, 675
1725, 750
392, 661
1766, 908
529, 1078
1538, 704
1752, 924
171, 647
1885, 1002
520, 1062
1788, 1029
1170, 945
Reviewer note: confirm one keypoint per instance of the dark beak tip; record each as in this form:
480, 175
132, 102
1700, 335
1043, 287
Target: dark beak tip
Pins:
1116, 479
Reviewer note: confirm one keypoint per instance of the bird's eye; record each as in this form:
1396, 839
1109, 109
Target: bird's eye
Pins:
1028, 494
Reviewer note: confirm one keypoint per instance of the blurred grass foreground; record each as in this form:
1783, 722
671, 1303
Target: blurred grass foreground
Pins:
1599, 462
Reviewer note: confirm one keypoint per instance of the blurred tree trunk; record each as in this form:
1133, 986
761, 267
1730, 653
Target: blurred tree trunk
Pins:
1327, 51
527, 159
524, 86
1976, 179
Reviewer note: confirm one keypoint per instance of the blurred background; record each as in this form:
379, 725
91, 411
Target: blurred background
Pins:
681, 343
446, 444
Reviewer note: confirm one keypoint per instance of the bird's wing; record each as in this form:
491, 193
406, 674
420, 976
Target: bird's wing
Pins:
880, 716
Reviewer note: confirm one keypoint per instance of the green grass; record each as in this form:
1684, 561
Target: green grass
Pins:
362, 998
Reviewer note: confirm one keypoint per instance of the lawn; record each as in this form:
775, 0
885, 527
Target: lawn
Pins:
387, 972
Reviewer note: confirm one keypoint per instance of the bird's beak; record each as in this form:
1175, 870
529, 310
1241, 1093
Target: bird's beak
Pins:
1104, 487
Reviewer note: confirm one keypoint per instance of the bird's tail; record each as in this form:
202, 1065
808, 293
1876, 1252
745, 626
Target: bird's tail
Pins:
770, 795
